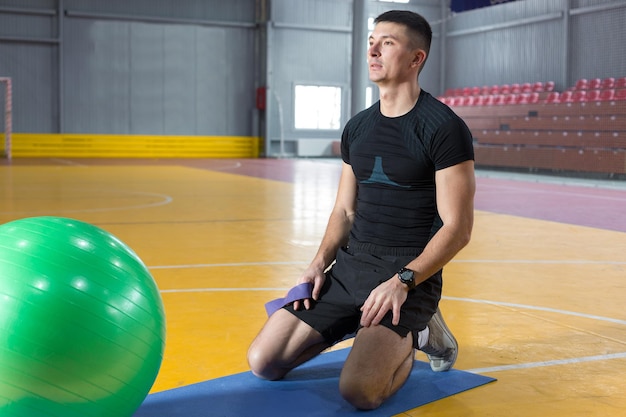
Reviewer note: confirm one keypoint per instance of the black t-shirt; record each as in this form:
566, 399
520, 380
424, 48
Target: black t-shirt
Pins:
394, 161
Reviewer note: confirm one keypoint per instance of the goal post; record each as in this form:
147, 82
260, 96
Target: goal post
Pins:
8, 110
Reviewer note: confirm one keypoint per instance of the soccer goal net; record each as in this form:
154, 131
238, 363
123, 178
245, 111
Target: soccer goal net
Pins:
6, 105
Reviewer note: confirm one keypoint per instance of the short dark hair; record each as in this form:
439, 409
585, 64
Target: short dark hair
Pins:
417, 25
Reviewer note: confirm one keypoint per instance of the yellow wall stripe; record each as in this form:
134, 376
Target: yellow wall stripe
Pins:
80, 145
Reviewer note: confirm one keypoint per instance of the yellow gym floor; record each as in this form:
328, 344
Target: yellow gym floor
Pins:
535, 302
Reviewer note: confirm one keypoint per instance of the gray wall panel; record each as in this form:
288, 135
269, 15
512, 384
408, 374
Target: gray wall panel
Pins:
179, 89
215, 10
508, 43
33, 69
329, 13
31, 26
191, 66
98, 82
214, 104
598, 40
147, 78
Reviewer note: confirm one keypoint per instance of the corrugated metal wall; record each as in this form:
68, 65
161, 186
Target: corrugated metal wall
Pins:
191, 66
159, 67
145, 78
28, 53
509, 43
597, 40
536, 40
131, 67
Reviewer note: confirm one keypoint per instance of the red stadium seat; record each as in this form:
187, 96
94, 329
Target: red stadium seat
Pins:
523, 98
467, 101
490, 100
606, 95
620, 83
593, 95
538, 87
527, 88
505, 89
595, 83
516, 88
534, 98
566, 97
620, 94
579, 95
553, 97
581, 84
549, 86
480, 100
509, 99
498, 99
608, 82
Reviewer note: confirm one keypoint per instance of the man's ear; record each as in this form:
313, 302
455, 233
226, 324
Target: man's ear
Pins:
418, 58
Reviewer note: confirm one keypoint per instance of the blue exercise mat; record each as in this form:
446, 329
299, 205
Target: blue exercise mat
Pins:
310, 390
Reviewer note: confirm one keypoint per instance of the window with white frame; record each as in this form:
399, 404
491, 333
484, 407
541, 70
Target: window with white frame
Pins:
317, 107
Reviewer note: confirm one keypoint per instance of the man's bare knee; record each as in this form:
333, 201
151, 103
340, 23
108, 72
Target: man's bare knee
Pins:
263, 366
359, 395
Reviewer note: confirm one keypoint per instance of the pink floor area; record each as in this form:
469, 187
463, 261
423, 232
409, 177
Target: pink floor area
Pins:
588, 205
599, 204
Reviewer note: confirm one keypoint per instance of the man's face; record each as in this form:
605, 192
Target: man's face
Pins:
390, 56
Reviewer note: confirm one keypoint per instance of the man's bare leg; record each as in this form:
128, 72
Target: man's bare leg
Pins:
378, 365
284, 343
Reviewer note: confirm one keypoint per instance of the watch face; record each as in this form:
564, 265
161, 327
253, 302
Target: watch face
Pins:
406, 276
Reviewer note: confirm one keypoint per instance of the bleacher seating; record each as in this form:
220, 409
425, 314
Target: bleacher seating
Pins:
532, 125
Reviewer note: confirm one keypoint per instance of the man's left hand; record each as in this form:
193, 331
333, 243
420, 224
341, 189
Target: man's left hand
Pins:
390, 295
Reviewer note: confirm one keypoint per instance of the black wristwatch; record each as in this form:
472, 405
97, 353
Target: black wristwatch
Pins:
407, 277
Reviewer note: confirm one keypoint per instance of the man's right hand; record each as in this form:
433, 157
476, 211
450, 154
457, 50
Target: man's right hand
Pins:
316, 277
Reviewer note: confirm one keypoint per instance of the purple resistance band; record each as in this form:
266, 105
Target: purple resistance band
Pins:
299, 292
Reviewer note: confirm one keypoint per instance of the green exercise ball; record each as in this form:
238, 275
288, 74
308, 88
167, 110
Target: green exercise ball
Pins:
82, 325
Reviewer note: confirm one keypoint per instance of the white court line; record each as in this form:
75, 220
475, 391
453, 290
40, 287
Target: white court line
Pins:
466, 300
187, 290
165, 199
539, 261
537, 308
500, 368
477, 261
66, 162
236, 165
499, 188
234, 264
528, 365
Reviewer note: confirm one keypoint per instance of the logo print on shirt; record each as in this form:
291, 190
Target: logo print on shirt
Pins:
378, 175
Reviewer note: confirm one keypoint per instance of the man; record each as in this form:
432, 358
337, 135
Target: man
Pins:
404, 209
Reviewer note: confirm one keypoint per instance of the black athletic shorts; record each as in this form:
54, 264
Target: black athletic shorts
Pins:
358, 269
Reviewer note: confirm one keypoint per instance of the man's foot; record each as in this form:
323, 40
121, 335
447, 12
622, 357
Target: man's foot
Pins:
442, 347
